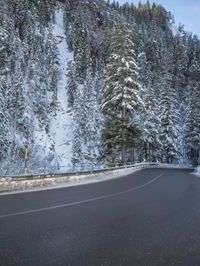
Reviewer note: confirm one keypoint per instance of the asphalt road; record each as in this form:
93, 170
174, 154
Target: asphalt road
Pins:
151, 217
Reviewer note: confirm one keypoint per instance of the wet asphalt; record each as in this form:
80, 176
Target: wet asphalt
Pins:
151, 217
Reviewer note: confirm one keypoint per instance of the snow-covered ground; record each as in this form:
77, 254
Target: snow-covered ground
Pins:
59, 138
197, 171
163, 165
10, 184
174, 166
7, 184
61, 124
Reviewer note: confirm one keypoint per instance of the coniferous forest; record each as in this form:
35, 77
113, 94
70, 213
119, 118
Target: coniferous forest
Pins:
90, 82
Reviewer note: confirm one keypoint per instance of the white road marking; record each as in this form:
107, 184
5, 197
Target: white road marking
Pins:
83, 201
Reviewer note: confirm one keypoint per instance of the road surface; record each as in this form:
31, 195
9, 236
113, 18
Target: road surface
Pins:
151, 217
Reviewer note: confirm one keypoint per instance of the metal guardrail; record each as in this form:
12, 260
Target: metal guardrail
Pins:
54, 175
88, 172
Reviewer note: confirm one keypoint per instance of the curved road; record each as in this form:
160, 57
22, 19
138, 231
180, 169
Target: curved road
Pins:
151, 217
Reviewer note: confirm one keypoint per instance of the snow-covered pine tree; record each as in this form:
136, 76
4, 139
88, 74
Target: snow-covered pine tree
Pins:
144, 71
31, 68
90, 106
71, 83
77, 153
168, 118
79, 122
193, 127
5, 89
4, 120
121, 91
193, 121
85, 144
182, 144
150, 126
81, 47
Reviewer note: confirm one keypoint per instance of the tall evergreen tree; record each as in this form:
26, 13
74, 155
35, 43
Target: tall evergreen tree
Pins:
168, 132
150, 125
71, 83
193, 121
4, 121
121, 91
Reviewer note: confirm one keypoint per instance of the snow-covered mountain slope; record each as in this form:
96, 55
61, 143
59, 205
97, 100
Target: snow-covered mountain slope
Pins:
54, 62
61, 124
58, 140
43, 120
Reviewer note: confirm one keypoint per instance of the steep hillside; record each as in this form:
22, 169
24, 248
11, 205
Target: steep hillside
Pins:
54, 69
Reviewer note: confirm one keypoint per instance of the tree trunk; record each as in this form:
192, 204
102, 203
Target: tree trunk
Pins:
146, 151
123, 148
149, 151
123, 153
133, 155
199, 158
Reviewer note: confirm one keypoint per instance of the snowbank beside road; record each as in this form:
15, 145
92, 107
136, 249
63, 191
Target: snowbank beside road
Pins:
38, 183
197, 171
174, 166
7, 184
